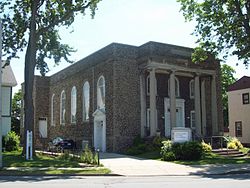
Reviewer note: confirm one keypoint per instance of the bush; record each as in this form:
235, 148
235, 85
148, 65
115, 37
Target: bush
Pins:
137, 149
206, 148
12, 141
231, 145
87, 156
187, 150
158, 142
169, 156
167, 147
234, 143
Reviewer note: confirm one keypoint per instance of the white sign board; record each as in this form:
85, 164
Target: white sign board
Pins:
181, 134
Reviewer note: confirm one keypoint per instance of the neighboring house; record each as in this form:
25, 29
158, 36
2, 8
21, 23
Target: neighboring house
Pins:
122, 91
8, 81
239, 109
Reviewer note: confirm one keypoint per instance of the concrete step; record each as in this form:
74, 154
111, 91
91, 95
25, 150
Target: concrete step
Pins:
228, 152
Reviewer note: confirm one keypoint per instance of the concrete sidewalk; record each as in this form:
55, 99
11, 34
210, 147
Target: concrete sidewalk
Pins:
132, 166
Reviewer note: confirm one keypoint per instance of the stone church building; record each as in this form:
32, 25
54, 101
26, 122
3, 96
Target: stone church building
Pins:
122, 91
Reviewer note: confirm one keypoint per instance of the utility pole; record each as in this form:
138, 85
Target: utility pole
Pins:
1, 144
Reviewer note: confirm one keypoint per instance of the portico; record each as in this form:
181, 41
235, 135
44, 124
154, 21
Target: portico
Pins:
180, 108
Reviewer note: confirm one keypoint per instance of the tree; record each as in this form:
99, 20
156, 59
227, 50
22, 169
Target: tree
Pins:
33, 25
222, 26
16, 112
227, 78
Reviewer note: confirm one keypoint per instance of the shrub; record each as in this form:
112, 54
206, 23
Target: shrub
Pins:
169, 156
167, 146
12, 141
158, 142
187, 150
234, 143
65, 156
87, 156
206, 148
231, 145
137, 149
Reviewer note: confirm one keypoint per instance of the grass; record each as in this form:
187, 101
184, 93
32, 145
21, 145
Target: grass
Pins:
15, 159
207, 159
15, 164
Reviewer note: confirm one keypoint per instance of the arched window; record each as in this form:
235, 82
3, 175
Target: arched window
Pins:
52, 110
101, 92
85, 99
73, 105
177, 87
191, 89
62, 107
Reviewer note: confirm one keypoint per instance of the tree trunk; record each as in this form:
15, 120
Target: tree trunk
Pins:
30, 62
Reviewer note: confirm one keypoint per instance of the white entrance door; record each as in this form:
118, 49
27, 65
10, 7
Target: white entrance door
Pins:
43, 127
180, 115
100, 130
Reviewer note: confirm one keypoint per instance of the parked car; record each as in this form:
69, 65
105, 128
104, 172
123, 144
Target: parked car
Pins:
59, 144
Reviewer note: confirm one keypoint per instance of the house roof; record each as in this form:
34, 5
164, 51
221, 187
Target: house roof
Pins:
242, 83
8, 77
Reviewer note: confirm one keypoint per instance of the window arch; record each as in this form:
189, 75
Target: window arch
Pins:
62, 107
52, 110
177, 87
86, 102
73, 104
101, 92
191, 89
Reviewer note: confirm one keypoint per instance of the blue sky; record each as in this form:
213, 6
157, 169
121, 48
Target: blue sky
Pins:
132, 22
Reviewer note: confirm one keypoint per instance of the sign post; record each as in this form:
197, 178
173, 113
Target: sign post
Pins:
29, 152
1, 144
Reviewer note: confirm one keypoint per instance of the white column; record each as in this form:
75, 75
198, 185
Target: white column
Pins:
197, 107
214, 106
203, 108
152, 103
172, 101
143, 105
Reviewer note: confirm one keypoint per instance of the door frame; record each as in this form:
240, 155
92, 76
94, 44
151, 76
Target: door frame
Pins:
100, 117
180, 103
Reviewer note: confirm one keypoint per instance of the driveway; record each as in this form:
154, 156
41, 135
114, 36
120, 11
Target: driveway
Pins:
131, 166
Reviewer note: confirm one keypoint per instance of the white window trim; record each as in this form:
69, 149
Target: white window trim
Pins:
85, 114
192, 113
177, 94
190, 89
52, 110
104, 92
73, 104
62, 123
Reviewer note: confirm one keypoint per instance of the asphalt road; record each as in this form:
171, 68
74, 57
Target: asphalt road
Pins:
217, 181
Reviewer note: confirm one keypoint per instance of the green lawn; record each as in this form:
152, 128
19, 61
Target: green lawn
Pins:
45, 165
208, 159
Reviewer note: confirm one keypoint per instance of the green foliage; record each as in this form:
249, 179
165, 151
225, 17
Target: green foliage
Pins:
166, 151
16, 112
140, 146
65, 156
234, 143
187, 150
12, 141
169, 156
181, 151
227, 78
206, 148
87, 156
158, 142
16, 16
222, 26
